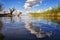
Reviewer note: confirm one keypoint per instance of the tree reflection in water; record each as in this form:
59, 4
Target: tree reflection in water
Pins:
7, 19
1, 35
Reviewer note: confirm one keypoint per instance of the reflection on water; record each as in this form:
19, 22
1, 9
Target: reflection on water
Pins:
41, 27
37, 29
17, 28
1, 35
9, 23
1, 25
10, 19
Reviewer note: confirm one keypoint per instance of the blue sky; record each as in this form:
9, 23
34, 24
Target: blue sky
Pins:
19, 4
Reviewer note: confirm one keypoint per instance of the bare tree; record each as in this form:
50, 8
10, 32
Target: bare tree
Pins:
12, 10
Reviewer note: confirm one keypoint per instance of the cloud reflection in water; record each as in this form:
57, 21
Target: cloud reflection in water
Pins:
37, 30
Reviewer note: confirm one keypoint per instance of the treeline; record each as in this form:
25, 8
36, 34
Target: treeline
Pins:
53, 14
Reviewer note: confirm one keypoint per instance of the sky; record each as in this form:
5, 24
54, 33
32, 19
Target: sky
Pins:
32, 5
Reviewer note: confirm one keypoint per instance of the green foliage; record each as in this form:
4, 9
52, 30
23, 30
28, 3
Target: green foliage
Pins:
52, 14
53, 10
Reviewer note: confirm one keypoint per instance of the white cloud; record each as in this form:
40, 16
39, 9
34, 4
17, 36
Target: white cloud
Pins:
31, 3
27, 5
41, 10
48, 8
37, 5
30, 0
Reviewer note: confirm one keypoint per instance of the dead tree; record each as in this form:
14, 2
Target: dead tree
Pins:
12, 10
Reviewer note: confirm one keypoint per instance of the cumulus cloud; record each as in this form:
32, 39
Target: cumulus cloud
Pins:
48, 8
31, 3
41, 10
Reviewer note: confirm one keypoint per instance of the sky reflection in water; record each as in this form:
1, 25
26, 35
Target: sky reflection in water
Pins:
22, 28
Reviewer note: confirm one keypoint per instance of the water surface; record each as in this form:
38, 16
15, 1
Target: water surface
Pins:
29, 29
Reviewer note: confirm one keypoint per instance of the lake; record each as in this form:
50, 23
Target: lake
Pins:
26, 28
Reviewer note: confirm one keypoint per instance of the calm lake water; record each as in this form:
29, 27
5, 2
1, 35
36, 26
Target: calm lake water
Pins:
25, 28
